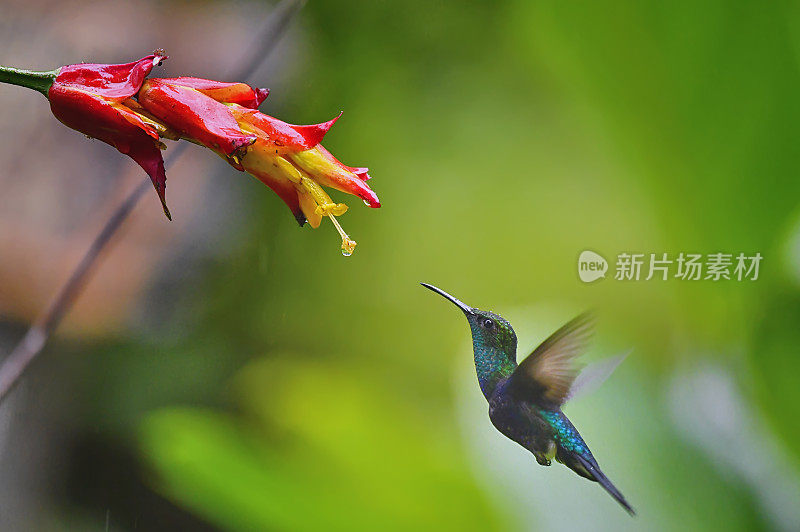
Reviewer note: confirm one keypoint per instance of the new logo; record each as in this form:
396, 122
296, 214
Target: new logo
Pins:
591, 266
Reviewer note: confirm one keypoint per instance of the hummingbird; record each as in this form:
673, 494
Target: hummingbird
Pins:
525, 399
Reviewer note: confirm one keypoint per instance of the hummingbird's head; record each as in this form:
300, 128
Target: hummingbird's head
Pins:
490, 331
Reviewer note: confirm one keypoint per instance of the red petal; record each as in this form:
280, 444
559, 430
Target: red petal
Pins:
148, 155
110, 81
361, 189
284, 136
261, 95
327, 171
260, 163
114, 125
239, 93
361, 172
194, 115
286, 191
314, 133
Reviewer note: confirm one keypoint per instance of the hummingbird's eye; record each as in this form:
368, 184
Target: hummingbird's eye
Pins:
488, 324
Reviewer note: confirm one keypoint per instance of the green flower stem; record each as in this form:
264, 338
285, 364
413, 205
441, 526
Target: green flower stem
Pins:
38, 81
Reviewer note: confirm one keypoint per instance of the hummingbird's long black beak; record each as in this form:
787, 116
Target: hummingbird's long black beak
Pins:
465, 308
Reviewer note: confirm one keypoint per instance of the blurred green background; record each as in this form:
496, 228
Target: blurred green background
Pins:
285, 387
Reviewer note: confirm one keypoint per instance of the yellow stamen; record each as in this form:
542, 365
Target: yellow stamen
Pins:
292, 173
348, 245
327, 209
313, 188
308, 188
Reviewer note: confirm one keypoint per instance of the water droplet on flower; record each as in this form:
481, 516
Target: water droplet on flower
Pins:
348, 246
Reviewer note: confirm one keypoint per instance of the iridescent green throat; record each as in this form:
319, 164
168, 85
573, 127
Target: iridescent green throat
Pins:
495, 358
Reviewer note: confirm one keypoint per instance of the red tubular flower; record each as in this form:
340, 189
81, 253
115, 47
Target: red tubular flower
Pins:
196, 115
287, 158
240, 93
95, 99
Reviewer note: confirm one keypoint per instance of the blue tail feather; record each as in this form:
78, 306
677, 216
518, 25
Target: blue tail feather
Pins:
593, 472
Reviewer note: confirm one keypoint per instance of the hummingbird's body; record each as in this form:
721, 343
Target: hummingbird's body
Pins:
525, 399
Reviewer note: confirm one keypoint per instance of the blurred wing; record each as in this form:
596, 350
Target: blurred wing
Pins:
595, 374
545, 377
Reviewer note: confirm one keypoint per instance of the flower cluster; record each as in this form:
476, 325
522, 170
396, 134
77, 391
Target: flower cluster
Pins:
118, 105
97, 101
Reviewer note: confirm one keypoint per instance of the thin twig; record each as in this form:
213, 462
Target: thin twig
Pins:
39, 333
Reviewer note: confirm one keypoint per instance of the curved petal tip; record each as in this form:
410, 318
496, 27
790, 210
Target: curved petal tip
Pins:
313, 134
369, 197
261, 95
